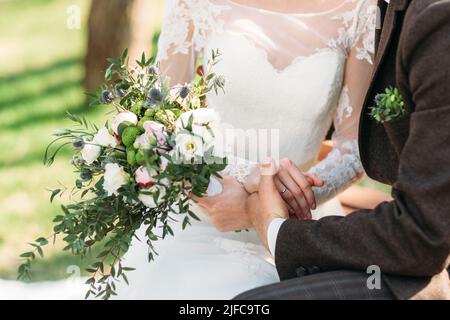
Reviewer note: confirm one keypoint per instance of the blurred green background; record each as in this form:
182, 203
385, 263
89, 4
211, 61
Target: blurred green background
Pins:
42, 74
42, 63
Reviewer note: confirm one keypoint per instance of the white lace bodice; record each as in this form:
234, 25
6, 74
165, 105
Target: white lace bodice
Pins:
290, 74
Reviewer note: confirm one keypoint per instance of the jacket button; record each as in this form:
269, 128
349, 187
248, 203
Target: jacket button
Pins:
301, 271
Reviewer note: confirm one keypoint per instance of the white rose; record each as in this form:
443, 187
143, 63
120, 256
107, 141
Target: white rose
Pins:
92, 149
189, 146
103, 138
114, 178
122, 117
202, 116
205, 116
148, 200
204, 132
90, 152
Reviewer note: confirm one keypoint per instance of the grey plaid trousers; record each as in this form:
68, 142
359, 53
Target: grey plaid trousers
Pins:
335, 285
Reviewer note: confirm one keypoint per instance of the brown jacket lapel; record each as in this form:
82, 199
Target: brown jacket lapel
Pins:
389, 25
378, 156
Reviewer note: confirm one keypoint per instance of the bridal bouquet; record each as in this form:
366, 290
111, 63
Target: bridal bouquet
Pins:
138, 169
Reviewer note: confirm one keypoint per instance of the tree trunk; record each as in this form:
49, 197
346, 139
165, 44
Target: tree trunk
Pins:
113, 26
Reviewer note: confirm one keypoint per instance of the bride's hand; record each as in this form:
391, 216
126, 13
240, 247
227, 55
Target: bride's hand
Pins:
228, 210
295, 188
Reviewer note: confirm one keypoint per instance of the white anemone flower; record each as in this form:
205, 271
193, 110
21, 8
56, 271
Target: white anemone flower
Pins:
189, 146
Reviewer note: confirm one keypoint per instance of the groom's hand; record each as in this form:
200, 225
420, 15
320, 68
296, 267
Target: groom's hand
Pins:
228, 210
267, 204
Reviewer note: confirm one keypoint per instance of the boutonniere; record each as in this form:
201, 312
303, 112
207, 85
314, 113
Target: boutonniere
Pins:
389, 106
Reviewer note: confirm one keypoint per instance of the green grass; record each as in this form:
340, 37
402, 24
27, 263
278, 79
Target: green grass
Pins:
40, 78
41, 74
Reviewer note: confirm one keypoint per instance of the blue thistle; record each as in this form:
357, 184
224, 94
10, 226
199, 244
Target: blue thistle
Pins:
107, 97
78, 144
86, 175
154, 97
151, 70
184, 92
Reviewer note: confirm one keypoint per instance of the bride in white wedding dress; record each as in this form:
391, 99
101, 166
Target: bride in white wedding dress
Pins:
295, 67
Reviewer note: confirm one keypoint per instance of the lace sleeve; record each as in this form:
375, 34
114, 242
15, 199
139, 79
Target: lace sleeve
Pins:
343, 166
185, 29
239, 168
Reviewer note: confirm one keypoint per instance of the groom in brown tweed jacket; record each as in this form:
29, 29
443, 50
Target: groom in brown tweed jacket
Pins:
408, 238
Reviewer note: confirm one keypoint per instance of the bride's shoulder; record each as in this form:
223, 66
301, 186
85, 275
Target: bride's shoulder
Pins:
357, 24
356, 5
353, 12
197, 13
195, 9
187, 24
196, 4
186, 4
359, 11
356, 12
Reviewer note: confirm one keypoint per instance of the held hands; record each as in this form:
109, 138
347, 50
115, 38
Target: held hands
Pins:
289, 189
266, 204
294, 186
227, 211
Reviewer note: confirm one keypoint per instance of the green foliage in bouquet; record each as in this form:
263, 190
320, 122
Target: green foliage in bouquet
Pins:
137, 171
389, 106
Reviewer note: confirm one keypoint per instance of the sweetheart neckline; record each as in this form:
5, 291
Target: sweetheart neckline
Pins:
294, 62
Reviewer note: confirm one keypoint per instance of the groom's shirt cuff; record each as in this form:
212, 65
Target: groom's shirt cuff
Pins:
272, 234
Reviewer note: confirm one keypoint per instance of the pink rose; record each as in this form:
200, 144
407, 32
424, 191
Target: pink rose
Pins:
157, 129
144, 178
